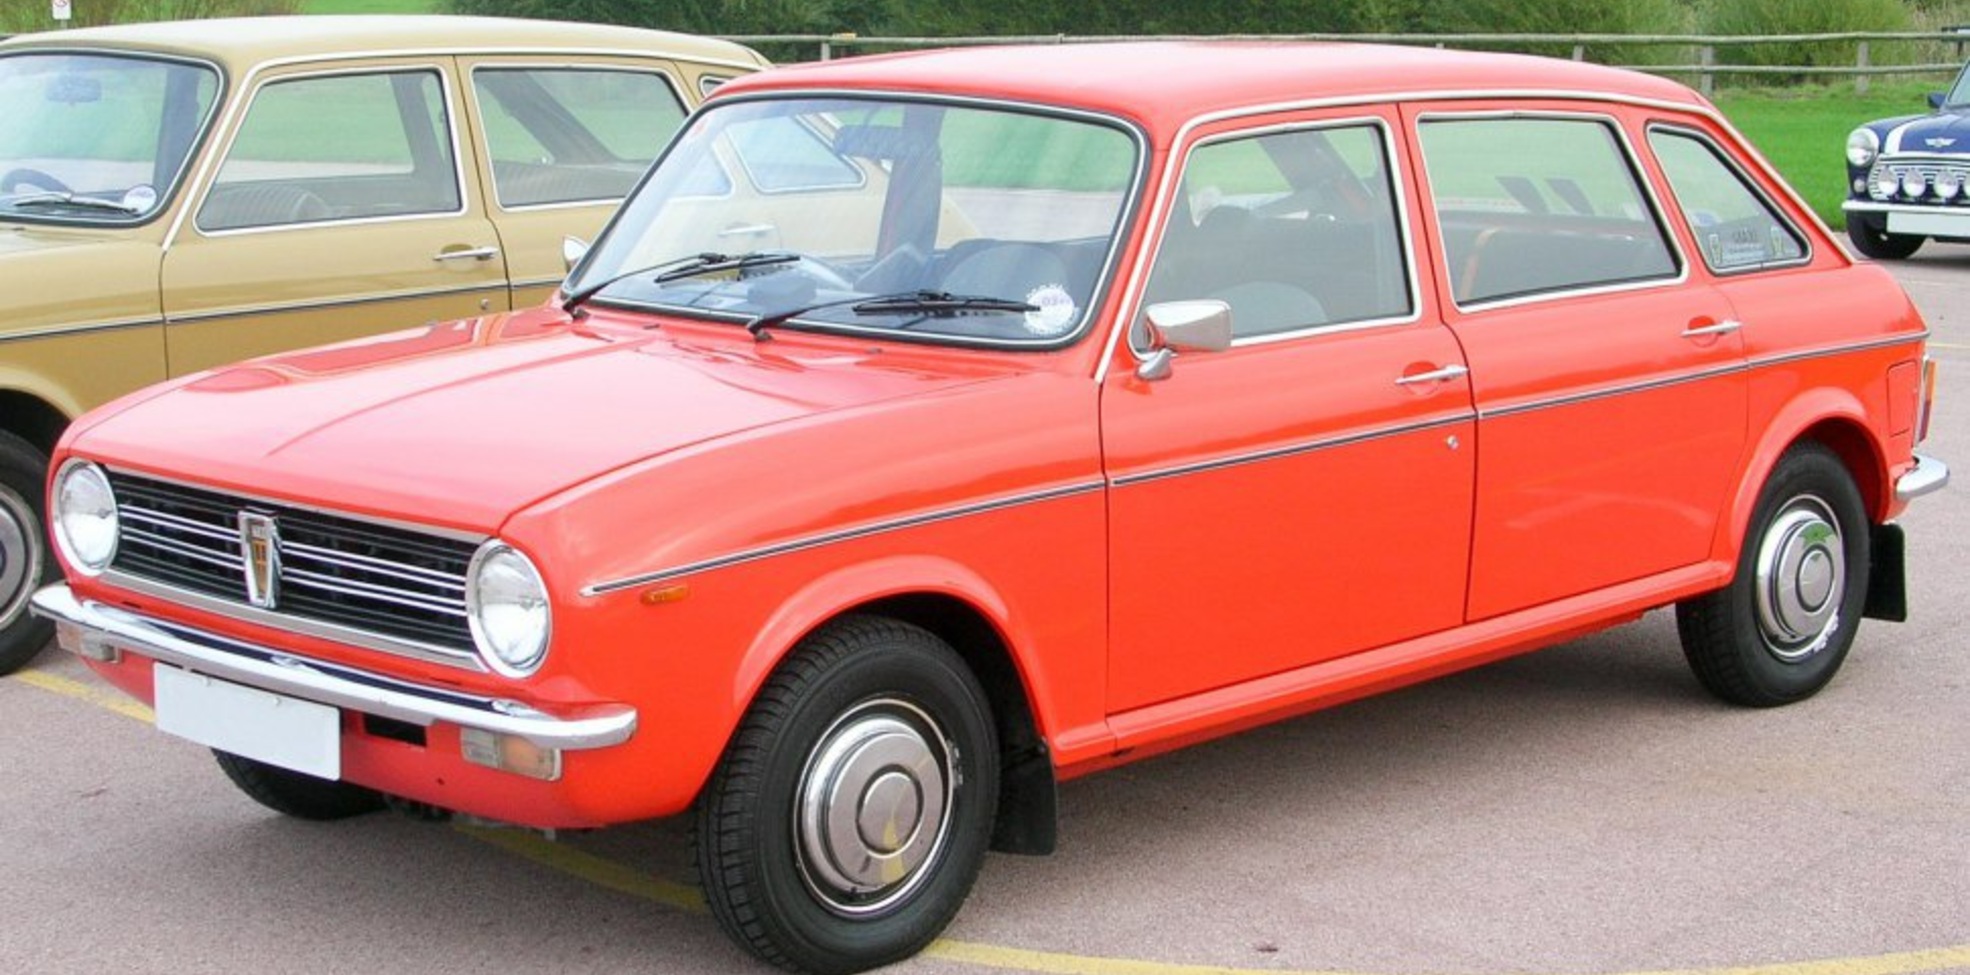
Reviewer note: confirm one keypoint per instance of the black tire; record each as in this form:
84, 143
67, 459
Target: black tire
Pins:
1876, 242
297, 794
886, 713
1779, 632
24, 561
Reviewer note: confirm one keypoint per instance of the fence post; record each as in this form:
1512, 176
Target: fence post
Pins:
1860, 80
1706, 82
827, 51
1580, 52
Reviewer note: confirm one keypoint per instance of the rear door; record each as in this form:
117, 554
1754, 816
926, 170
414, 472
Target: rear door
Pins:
339, 206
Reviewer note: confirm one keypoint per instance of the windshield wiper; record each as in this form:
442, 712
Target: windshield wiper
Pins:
926, 304
60, 198
679, 268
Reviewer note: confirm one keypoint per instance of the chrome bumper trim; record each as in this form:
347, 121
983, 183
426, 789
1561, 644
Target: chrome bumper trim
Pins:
325, 683
1926, 477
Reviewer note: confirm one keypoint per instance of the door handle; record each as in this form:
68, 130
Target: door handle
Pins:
467, 254
1444, 374
1725, 327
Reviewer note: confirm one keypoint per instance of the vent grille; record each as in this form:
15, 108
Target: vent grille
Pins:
1900, 168
393, 582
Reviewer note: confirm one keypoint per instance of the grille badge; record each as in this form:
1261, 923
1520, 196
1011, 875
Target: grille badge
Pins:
259, 540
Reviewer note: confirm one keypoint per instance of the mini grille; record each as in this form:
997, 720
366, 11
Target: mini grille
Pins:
1900, 169
390, 581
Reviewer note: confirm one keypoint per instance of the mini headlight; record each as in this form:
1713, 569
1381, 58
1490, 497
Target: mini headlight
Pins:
1862, 146
85, 517
506, 608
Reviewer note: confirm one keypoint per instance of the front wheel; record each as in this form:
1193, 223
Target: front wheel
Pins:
849, 816
24, 561
1878, 243
1779, 632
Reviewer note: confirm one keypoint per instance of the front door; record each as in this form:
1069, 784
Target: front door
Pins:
339, 208
1305, 494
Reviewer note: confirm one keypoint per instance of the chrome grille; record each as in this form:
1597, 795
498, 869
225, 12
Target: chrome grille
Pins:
394, 582
1928, 168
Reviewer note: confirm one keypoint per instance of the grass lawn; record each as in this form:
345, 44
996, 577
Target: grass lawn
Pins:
1803, 131
372, 6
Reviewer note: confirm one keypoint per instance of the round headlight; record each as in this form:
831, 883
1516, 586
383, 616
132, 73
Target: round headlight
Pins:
506, 607
1914, 185
1862, 146
1886, 186
85, 517
1948, 184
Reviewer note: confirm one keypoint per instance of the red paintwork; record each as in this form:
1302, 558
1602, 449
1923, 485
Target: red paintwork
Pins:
1139, 614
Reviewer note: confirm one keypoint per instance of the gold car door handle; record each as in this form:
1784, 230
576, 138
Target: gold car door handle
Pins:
1445, 374
1725, 327
467, 254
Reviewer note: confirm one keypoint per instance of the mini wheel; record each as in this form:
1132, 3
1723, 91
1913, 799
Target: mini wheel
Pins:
848, 819
1779, 632
1878, 243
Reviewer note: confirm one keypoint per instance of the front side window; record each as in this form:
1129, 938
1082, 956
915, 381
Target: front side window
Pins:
565, 135
1292, 230
1529, 206
344, 147
906, 218
89, 138
1733, 225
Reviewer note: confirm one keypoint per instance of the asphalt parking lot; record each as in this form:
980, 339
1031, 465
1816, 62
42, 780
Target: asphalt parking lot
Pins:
1585, 809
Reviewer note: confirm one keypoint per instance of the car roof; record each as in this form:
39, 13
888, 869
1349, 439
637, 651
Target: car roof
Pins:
241, 42
1165, 84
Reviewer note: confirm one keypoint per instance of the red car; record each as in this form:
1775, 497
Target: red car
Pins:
928, 429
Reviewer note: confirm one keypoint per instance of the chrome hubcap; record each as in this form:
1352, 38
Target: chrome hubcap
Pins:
873, 806
20, 563
1802, 578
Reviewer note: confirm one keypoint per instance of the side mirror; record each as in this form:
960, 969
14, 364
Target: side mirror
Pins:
1202, 325
1936, 99
573, 249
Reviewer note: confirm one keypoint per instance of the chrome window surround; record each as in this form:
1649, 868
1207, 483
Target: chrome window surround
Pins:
216, 164
167, 198
1644, 186
484, 141
1401, 200
1751, 186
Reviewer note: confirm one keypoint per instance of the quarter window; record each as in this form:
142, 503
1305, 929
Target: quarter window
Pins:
1293, 230
337, 148
568, 135
1534, 205
1733, 225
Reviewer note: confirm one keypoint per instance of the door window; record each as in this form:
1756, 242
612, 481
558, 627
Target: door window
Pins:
566, 135
1520, 221
1293, 230
1733, 225
338, 148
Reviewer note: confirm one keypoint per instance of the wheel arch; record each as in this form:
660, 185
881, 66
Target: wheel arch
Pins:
1834, 419
964, 610
32, 418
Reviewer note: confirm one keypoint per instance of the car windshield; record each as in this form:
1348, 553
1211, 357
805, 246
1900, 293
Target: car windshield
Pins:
88, 138
943, 221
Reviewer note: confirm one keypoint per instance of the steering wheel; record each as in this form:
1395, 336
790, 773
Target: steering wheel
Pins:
24, 176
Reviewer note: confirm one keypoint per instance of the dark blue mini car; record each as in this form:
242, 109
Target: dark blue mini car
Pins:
1908, 178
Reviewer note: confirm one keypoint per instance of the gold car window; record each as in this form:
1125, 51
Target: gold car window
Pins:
565, 135
340, 147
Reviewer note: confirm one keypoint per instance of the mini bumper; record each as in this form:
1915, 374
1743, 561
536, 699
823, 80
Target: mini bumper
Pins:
1915, 218
98, 631
1929, 475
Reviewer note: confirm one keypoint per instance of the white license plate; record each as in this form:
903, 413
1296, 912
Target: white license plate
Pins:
299, 735
1956, 224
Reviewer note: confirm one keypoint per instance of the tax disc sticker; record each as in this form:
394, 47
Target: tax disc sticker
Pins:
1054, 313
139, 198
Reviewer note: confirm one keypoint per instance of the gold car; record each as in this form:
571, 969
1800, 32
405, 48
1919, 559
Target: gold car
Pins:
175, 196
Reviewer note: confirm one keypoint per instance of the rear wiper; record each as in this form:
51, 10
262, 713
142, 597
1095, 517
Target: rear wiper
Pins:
61, 198
679, 268
927, 304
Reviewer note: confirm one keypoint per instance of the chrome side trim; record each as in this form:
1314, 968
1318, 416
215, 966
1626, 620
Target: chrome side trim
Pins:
461, 659
1928, 476
327, 683
1882, 343
1612, 391
207, 316
815, 541
55, 331
1292, 450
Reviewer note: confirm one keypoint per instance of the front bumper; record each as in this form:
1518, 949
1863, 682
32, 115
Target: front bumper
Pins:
1928, 476
98, 631
1915, 219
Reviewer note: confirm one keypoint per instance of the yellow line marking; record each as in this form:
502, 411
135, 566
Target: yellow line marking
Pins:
614, 876
108, 700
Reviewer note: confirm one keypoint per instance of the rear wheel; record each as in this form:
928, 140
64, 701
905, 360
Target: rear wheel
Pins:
297, 794
24, 561
848, 819
1876, 242
1779, 632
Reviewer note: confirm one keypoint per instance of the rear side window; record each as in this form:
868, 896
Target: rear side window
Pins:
1734, 226
565, 135
1530, 206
